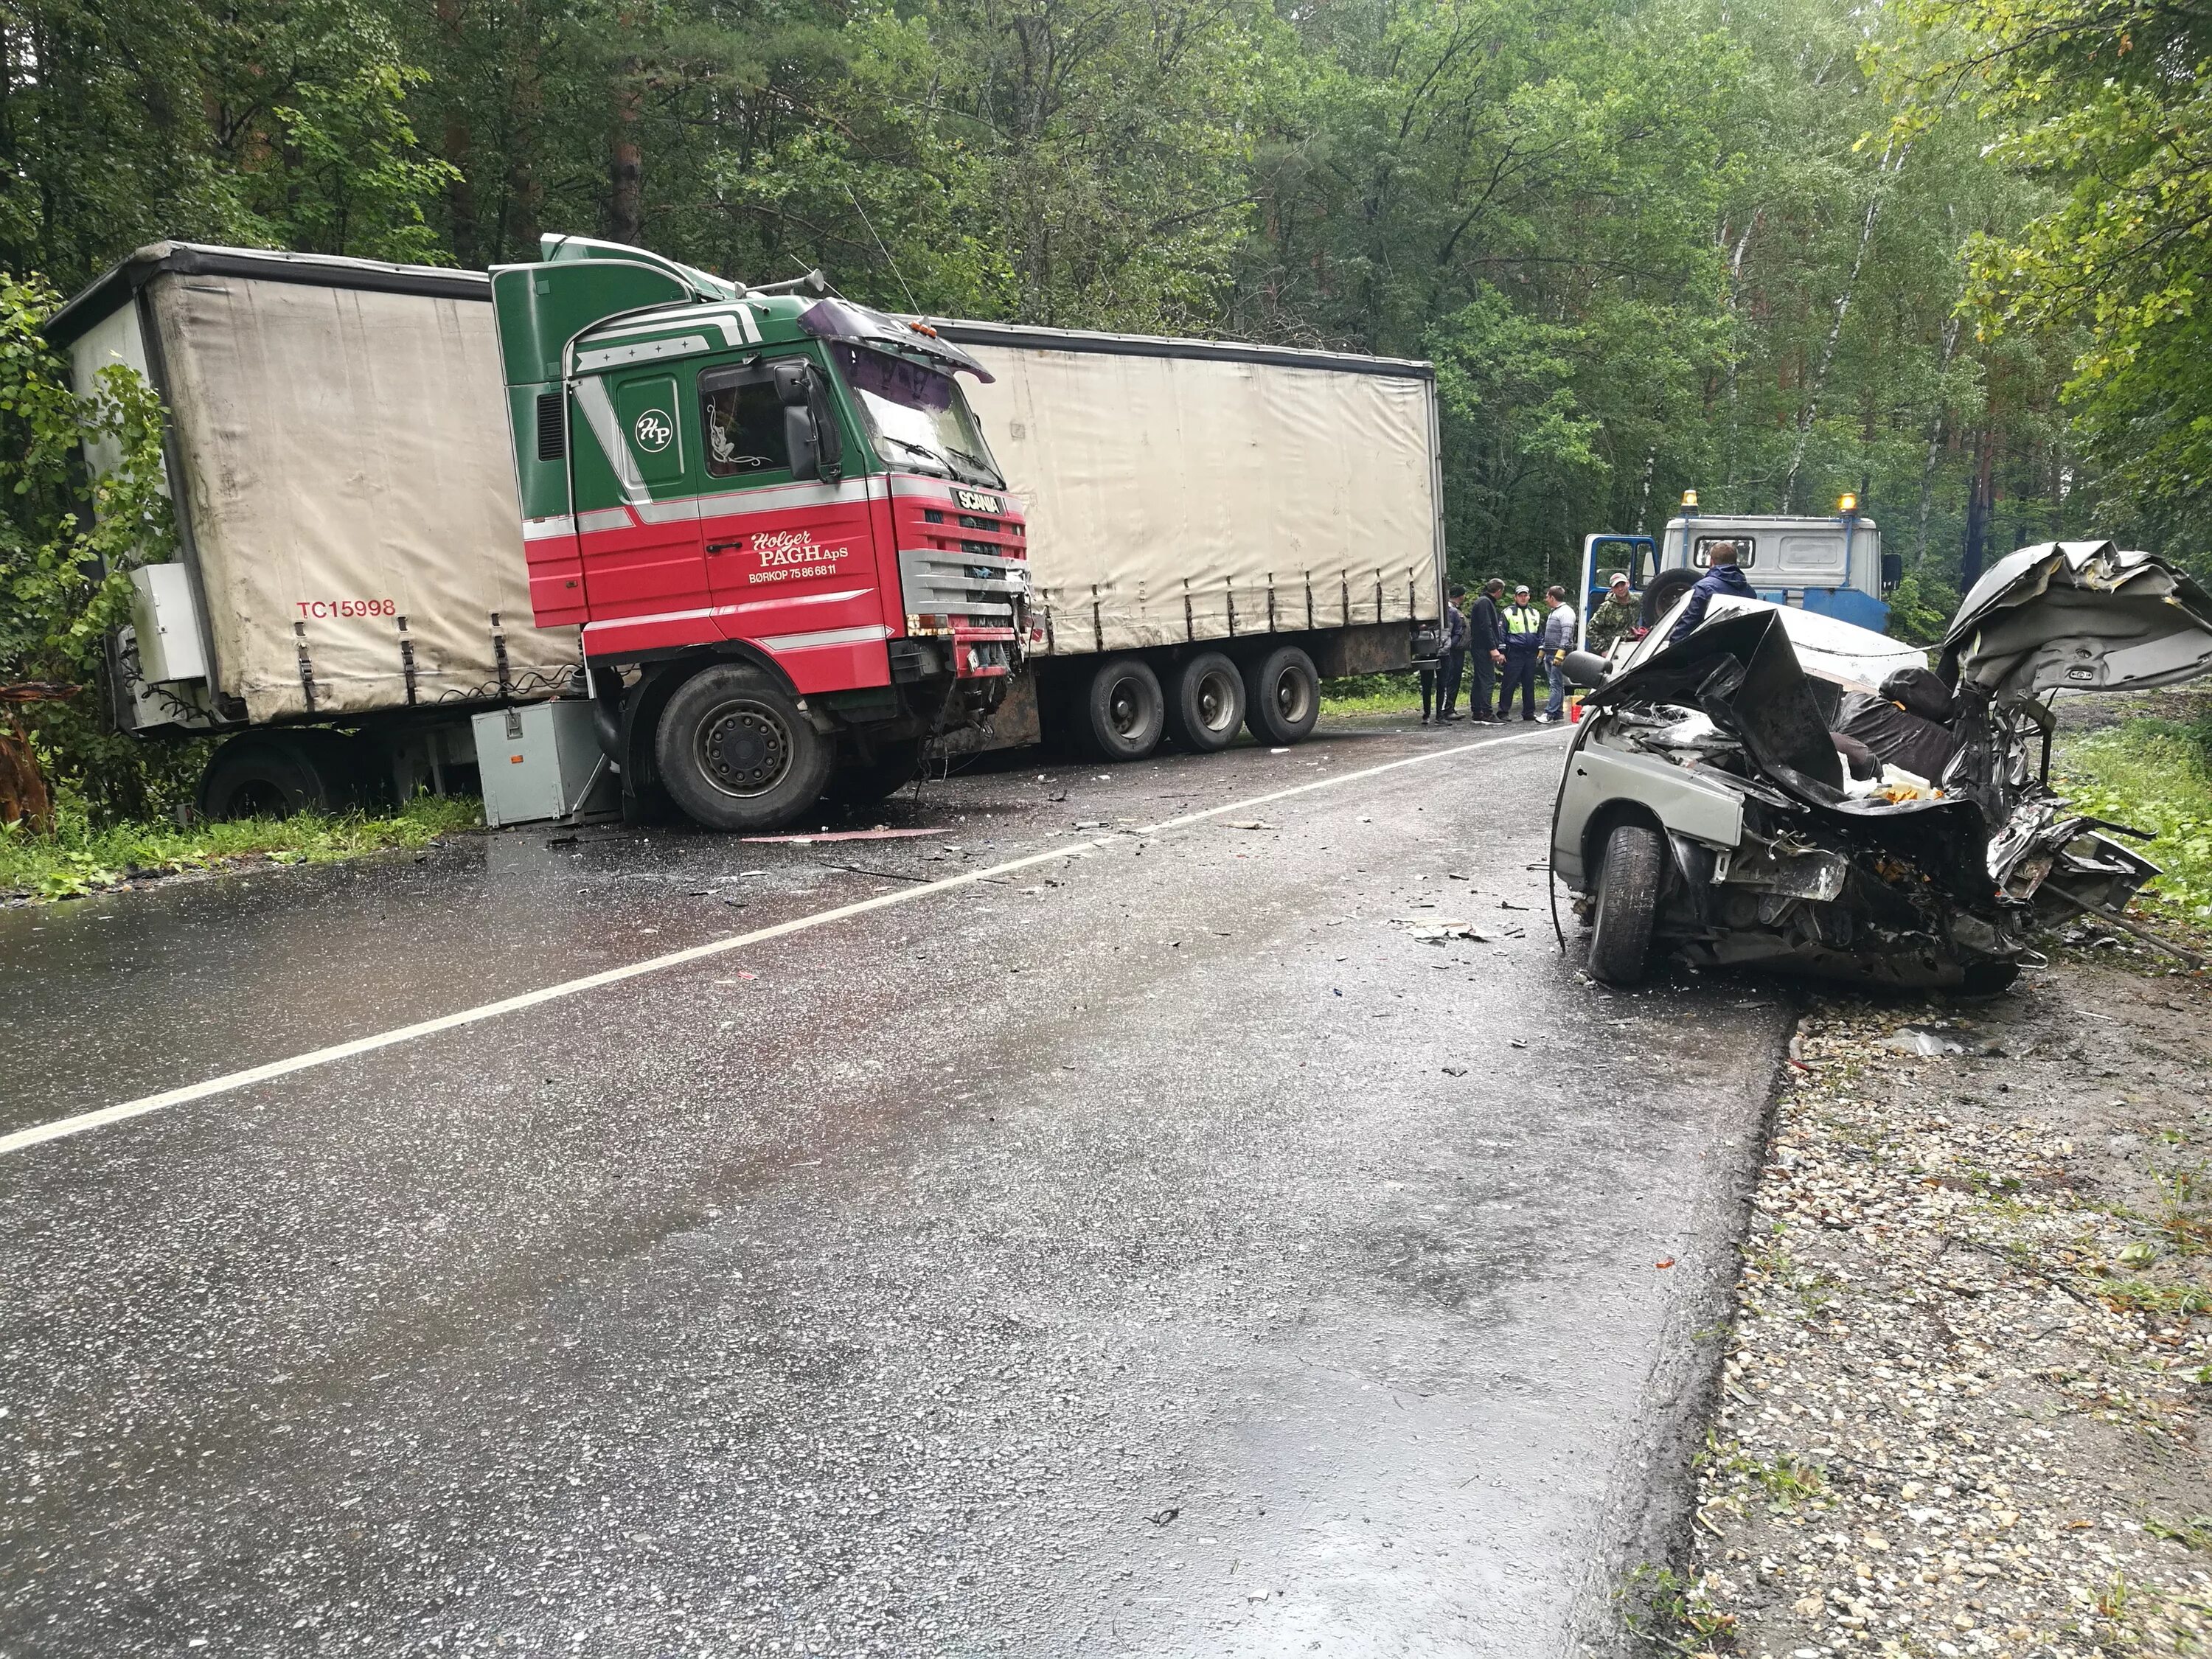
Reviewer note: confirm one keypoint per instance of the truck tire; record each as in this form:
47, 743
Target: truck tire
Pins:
1666, 588
1282, 697
863, 783
274, 774
1627, 898
1123, 713
1207, 705
736, 753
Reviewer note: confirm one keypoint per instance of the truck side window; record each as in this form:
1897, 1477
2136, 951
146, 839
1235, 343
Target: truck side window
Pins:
744, 429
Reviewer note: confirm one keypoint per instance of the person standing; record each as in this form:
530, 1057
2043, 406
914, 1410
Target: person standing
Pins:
1452, 661
1524, 638
1720, 576
1617, 614
1559, 640
1486, 650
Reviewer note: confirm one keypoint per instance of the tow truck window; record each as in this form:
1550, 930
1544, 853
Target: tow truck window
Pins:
744, 427
1747, 551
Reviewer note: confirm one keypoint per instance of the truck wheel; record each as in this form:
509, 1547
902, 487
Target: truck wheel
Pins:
1282, 697
1627, 896
737, 753
273, 775
859, 783
1124, 713
1207, 705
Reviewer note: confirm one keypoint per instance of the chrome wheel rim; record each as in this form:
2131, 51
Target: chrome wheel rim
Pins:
1217, 701
743, 748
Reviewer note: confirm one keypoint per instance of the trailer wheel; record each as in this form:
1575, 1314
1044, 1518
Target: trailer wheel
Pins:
1124, 713
736, 752
1627, 897
1207, 704
1282, 697
273, 775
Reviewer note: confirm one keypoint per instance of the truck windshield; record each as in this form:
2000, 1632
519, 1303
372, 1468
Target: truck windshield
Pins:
916, 415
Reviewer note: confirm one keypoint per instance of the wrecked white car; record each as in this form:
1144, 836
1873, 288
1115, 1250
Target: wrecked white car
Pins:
1783, 789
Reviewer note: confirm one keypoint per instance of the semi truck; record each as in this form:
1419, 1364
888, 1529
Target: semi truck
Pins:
1831, 565
728, 547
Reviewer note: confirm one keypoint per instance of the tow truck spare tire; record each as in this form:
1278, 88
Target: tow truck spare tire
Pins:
1207, 705
1123, 712
1666, 588
1627, 898
736, 751
1282, 696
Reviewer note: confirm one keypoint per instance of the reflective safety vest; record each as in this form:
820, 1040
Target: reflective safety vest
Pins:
1524, 623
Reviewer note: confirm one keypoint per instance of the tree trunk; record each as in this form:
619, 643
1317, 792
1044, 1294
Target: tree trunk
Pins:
23, 796
626, 168
1979, 501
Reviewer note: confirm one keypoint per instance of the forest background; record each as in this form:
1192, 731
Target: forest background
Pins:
1948, 256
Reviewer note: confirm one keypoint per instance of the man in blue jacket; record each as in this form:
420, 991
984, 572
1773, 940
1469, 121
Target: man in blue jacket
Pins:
1720, 576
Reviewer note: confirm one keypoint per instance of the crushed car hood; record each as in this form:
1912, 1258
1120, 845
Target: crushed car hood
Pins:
2079, 615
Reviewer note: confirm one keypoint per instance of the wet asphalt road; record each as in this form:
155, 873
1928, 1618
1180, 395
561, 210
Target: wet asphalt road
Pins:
1160, 1251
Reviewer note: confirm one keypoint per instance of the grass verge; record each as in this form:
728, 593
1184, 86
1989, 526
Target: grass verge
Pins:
1370, 694
78, 858
2154, 774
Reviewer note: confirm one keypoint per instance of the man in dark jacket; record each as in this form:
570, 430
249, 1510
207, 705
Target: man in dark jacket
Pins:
1720, 576
1486, 649
1452, 659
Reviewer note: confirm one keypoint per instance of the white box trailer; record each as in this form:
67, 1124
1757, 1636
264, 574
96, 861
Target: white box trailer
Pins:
1213, 525
350, 549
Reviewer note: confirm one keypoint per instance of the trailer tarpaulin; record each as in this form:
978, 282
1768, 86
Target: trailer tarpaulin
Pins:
1179, 491
354, 523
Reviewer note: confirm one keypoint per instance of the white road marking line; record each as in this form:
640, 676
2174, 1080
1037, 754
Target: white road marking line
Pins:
230, 1081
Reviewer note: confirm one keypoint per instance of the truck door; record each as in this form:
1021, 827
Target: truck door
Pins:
643, 566
790, 562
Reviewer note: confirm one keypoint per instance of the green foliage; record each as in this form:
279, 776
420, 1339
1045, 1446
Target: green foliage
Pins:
82, 856
67, 543
2155, 775
2108, 102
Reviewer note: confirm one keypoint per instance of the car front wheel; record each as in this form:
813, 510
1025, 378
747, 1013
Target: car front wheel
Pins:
1627, 900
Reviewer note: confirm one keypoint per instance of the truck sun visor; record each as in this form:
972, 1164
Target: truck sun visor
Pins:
841, 320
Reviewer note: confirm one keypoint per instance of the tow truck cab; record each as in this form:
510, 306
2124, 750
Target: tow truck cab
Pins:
1834, 566
774, 517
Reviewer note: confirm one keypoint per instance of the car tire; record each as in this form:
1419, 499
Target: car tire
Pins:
1123, 712
864, 783
736, 753
274, 774
1666, 588
1627, 900
1206, 708
1282, 697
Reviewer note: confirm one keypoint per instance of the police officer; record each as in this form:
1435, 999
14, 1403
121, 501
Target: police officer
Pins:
1617, 614
1524, 638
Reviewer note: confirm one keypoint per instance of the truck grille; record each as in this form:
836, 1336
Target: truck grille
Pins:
979, 588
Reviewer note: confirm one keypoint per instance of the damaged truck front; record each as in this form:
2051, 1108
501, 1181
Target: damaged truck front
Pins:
1784, 789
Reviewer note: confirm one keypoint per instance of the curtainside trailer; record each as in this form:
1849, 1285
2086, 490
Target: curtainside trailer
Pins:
350, 588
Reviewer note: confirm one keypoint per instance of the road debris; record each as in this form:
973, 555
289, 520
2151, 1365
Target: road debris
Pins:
1960, 1407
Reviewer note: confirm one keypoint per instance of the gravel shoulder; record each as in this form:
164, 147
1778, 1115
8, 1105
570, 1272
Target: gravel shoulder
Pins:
1960, 1409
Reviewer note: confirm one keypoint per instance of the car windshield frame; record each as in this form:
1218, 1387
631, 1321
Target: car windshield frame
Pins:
897, 399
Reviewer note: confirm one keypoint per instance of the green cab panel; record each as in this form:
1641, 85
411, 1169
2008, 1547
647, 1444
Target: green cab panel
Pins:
652, 412
540, 308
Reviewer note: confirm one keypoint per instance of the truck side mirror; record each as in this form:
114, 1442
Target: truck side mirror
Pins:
810, 426
1892, 570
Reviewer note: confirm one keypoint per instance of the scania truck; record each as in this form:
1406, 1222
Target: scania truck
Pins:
754, 544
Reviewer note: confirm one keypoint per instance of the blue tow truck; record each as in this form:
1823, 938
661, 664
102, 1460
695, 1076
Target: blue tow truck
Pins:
1832, 565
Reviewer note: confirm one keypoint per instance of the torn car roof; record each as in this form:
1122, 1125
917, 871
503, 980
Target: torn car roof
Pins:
2082, 616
